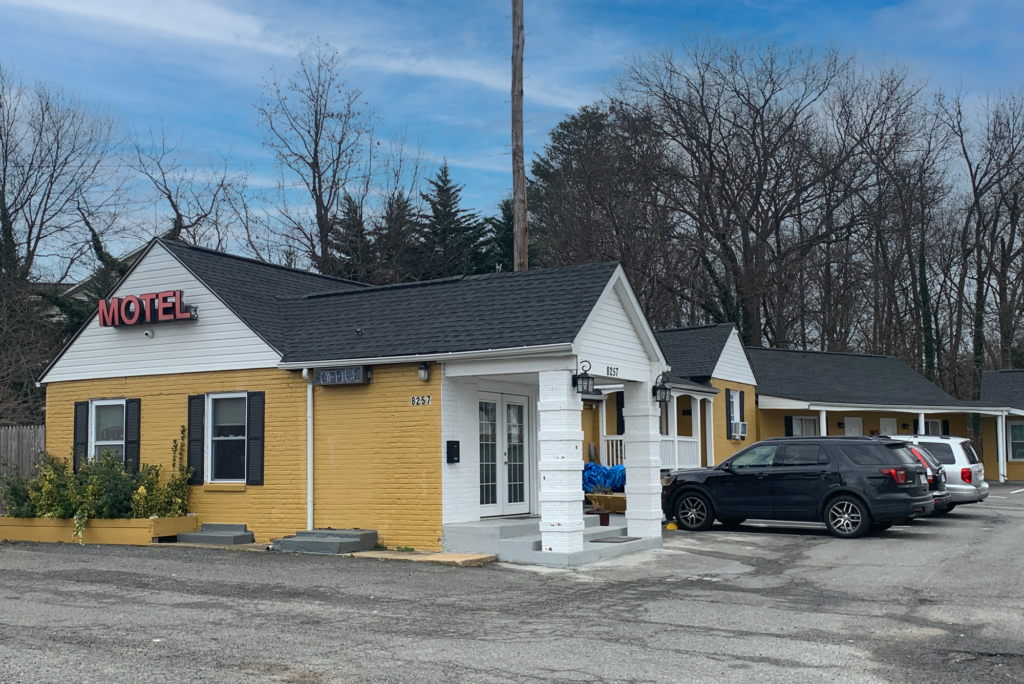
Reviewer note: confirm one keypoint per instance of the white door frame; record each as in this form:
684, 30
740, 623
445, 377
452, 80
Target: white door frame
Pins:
502, 505
856, 420
892, 421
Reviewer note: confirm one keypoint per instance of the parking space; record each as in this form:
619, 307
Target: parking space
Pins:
936, 600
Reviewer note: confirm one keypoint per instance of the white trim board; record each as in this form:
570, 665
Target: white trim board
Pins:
733, 364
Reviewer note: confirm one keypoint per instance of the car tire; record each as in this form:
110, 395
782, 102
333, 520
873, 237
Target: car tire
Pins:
694, 512
732, 523
847, 517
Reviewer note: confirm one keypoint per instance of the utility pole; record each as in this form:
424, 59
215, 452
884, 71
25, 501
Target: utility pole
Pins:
520, 231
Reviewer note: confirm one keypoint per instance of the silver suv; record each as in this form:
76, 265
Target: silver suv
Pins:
965, 475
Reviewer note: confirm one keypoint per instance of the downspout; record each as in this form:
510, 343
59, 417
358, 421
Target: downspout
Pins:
309, 447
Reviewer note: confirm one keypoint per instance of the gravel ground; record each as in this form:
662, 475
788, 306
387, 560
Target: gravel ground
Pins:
938, 600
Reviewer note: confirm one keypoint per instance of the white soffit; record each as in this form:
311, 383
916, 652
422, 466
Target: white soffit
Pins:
219, 340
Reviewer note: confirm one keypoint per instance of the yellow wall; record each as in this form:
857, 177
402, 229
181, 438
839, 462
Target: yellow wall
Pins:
773, 421
684, 424
990, 455
610, 412
725, 447
377, 457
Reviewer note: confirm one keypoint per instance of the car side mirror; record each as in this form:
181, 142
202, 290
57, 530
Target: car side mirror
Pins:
727, 467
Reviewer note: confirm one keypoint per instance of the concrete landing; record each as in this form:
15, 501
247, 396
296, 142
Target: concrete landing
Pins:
462, 560
518, 540
219, 534
327, 540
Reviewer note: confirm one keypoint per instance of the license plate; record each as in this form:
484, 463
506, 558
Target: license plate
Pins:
922, 479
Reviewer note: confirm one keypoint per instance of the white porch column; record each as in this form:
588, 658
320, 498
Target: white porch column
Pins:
921, 427
695, 419
561, 463
1001, 446
643, 460
823, 423
673, 418
709, 419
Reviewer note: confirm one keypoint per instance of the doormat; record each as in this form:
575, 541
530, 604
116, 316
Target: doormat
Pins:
614, 540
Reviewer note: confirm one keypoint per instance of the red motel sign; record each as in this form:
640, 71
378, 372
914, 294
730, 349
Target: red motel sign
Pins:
155, 307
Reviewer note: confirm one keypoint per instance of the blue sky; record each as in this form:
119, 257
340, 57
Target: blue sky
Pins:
441, 67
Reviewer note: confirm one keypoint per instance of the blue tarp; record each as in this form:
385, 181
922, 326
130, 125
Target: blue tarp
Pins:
596, 476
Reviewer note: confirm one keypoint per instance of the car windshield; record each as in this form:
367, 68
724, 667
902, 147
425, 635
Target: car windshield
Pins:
943, 452
972, 456
879, 454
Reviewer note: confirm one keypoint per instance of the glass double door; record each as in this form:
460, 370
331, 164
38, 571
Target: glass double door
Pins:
504, 455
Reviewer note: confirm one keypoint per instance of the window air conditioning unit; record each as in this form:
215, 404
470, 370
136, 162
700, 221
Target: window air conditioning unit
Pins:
739, 430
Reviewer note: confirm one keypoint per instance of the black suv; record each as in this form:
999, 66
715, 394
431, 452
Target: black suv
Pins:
852, 484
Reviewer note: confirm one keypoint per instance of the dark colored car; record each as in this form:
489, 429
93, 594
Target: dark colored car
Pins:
936, 479
852, 484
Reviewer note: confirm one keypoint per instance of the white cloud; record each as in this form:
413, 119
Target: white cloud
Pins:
194, 20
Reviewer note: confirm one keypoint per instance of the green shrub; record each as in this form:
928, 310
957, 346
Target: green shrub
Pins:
16, 494
51, 492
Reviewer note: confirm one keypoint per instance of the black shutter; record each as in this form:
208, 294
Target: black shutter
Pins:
742, 411
81, 435
915, 427
728, 413
254, 439
196, 437
620, 421
945, 427
132, 425
789, 426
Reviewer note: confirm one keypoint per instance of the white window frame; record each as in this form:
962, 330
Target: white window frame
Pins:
800, 420
928, 423
208, 437
93, 442
1009, 440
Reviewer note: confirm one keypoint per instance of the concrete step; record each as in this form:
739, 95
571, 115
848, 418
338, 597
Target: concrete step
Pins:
329, 541
532, 542
219, 534
367, 538
592, 551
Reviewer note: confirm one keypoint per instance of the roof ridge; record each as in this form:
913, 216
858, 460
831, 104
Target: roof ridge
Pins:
239, 257
830, 353
377, 288
695, 327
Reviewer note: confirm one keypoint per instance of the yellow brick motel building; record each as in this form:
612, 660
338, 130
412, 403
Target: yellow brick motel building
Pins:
311, 402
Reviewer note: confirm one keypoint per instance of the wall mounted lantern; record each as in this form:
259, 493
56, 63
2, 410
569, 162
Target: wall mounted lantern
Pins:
662, 394
584, 382
424, 371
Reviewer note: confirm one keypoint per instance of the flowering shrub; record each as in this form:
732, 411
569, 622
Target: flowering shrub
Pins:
102, 488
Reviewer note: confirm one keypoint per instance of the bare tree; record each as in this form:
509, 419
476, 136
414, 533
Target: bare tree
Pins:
322, 137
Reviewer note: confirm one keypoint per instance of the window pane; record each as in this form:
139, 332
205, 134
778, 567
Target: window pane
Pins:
943, 452
758, 457
116, 450
488, 453
1017, 433
229, 459
229, 417
109, 423
516, 469
801, 455
972, 456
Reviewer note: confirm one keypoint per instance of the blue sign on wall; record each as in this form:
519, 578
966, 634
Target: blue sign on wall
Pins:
347, 375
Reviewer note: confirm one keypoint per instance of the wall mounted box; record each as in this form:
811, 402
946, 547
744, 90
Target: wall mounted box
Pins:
453, 451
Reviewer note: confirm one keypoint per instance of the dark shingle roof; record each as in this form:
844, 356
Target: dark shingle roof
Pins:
694, 352
252, 289
1003, 388
309, 317
843, 379
492, 311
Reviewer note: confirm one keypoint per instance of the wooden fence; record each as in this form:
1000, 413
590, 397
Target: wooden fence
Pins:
20, 447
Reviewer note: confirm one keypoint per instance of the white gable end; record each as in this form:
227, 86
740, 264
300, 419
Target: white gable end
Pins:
219, 340
733, 364
610, 339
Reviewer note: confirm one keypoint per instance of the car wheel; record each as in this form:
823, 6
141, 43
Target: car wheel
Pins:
847, 517
694, 512
731, 523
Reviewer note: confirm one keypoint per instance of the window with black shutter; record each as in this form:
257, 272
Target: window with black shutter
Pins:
226, 434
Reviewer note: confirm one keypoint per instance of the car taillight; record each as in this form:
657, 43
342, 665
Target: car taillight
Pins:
899, 475
966, 474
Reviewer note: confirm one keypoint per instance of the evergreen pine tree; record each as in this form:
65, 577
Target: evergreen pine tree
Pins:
453, 239
502, 237
10, 263
350, 251
395, 241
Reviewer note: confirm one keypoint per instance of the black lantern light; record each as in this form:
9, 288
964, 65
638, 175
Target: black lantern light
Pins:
662, 394
584, 382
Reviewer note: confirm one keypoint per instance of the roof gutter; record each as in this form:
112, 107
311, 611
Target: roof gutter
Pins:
535, 350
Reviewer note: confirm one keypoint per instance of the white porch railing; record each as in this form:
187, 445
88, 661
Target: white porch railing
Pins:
680, 452
614, 452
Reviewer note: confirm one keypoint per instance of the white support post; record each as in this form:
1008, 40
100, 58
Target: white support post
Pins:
561, 463
709, 419
643, 460
1001, 446
602, 443
673, 418
823, 423
695, 419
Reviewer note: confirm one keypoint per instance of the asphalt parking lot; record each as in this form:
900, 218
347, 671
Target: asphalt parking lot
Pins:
938, 600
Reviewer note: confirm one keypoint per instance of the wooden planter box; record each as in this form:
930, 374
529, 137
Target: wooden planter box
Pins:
135, 532
613, 503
